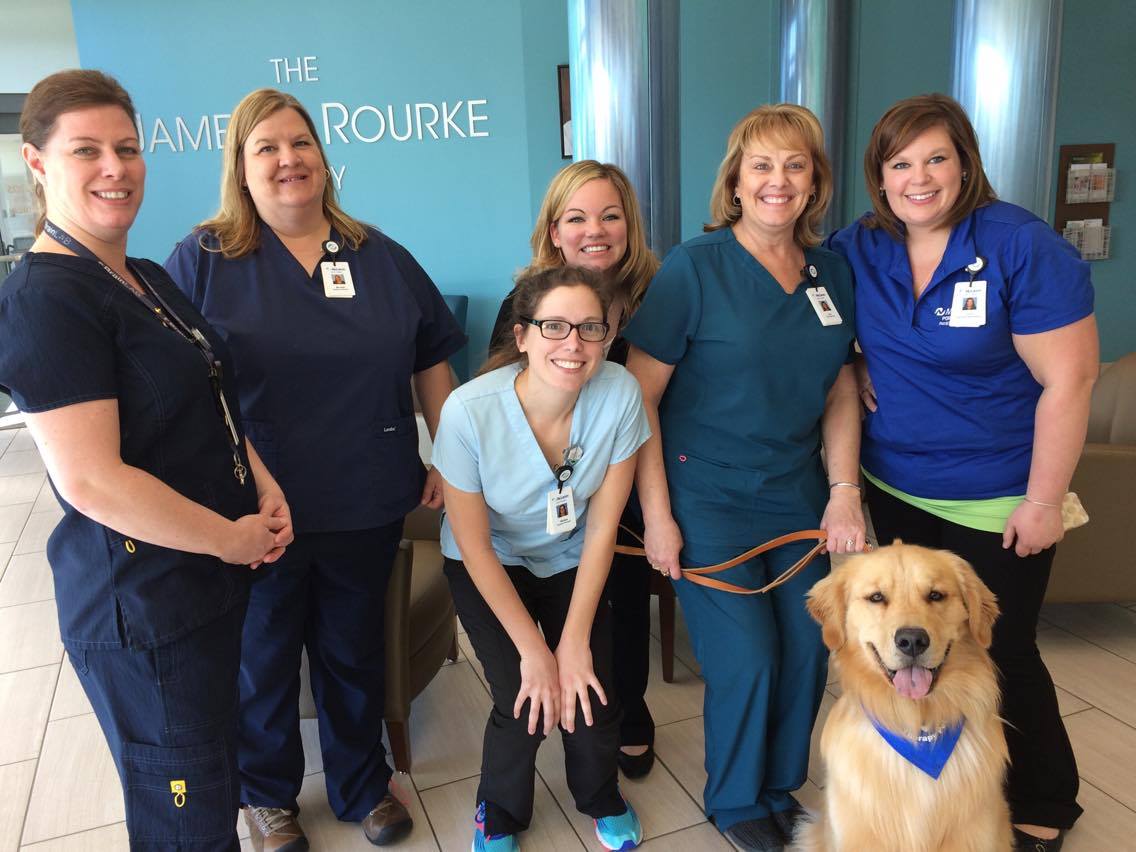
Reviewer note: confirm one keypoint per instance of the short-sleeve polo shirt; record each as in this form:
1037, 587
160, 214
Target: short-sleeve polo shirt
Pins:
325, 382
956, 404
740, 418
485, 445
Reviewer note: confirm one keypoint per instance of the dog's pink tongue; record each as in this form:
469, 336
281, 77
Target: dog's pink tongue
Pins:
914, 682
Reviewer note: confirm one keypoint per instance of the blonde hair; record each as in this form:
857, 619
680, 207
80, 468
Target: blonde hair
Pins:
236, 224
638, 265
789, 125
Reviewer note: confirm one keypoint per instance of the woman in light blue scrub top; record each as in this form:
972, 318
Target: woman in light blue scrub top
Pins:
743, 347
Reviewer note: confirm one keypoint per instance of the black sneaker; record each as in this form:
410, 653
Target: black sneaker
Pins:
761, 835
788, 820
1038, 844
636, 765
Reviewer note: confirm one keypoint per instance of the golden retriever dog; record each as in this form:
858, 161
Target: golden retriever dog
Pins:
908, 628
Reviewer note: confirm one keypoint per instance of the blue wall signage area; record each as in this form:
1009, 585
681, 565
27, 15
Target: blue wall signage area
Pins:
422, 108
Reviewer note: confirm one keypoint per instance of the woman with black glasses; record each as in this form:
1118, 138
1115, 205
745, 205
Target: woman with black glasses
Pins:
537, 455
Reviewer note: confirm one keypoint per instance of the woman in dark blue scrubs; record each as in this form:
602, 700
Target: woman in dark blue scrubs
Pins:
743, 348
124, 386
329, 320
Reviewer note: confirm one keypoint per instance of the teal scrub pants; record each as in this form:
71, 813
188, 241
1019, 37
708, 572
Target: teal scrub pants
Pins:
765, 668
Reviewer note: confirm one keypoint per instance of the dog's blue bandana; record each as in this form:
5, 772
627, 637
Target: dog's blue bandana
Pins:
930, 751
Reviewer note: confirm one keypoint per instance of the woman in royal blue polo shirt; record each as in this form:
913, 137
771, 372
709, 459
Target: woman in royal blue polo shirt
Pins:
329, 321
124, 386
976, 323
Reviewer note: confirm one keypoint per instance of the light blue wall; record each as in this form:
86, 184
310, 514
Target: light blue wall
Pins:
461, 206
1096, 102
729, 53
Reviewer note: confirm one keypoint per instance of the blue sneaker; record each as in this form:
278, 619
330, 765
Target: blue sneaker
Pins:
492, 842
621, 831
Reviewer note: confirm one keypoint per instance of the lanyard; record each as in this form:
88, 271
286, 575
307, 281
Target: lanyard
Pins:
170, 319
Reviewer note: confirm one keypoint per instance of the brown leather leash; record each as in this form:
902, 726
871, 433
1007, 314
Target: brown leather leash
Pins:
698, 575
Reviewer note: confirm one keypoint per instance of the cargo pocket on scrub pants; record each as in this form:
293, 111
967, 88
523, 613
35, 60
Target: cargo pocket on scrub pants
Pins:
178, 795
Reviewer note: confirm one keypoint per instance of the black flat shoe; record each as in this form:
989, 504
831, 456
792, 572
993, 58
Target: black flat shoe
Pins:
761, 835
788, 820
1038, 844
636, 765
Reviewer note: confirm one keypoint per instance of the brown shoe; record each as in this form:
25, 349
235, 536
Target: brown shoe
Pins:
274, 830
388, 822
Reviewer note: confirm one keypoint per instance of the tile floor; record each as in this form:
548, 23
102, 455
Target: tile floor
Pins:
59, 790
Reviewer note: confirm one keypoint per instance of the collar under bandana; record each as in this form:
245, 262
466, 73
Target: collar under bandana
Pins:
931, 750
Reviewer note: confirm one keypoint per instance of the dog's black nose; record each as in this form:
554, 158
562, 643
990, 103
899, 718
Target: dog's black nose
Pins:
912, 641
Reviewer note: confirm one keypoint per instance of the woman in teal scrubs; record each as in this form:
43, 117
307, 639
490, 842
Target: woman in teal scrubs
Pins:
742, 346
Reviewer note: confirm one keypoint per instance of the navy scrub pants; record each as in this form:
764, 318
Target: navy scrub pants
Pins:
508, 757
169, 716
327, 594
765, 668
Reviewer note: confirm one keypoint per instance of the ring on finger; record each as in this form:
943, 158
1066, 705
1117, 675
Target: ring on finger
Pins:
850, 543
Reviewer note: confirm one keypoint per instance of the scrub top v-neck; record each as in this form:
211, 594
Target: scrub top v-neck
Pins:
485, 445
740, 418
325, 382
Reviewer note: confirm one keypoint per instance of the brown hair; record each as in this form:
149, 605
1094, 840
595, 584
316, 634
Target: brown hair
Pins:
789, 125
236, 224
897, 129
56, 94
637, 266
532, 286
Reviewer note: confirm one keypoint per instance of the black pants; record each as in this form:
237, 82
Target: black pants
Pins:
508, 758
1042, 783
629, 592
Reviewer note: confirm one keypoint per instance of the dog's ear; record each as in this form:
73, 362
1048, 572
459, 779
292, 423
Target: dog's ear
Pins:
826, 604
981, 605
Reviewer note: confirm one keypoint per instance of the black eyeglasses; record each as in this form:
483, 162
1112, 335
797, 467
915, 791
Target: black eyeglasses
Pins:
554, 329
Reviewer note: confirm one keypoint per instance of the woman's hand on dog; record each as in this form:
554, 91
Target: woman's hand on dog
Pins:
1032, 528
844, 521
662, 540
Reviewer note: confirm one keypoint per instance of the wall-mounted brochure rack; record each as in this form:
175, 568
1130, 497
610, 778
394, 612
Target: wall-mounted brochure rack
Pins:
1086, 185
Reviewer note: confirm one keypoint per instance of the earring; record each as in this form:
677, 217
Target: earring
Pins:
964, 176
737, 201
881, 192
812, 198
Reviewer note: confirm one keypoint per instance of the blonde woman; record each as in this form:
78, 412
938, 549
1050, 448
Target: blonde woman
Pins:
329, 321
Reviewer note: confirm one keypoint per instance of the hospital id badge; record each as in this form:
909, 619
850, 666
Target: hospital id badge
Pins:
337, 280
561, 515
968, 307
824, 306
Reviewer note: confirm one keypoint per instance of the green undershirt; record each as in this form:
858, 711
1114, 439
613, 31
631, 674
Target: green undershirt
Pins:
987, 515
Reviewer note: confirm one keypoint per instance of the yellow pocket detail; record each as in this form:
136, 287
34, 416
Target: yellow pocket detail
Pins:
129, 545
178, 789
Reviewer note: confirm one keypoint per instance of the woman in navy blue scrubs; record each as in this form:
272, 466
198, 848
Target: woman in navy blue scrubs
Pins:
123, 385
590, 218
329, 320
976, 322
743, 348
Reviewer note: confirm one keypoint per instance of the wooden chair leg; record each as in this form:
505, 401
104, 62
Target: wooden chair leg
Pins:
667, 632
399, 735
453, 654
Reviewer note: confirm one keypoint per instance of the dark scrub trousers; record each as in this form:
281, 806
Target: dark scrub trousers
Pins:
740, 428
628, 592
955, 421
153, 633
325, 390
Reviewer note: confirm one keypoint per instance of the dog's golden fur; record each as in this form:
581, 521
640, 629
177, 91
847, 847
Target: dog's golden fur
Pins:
873, 798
